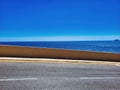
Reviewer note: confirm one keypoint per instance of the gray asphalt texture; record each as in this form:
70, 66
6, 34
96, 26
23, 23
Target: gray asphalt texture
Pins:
58, 76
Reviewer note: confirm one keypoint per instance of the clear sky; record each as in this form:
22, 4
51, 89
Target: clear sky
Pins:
59, 19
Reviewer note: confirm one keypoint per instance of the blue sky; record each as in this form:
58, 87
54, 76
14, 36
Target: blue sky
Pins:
59, 20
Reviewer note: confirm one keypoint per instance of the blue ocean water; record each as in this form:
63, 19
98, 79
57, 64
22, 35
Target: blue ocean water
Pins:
99, 46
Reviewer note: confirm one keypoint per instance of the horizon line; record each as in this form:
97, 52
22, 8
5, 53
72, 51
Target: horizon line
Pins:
61, 38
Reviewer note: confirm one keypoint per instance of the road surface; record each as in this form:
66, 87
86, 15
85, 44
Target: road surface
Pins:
58, 76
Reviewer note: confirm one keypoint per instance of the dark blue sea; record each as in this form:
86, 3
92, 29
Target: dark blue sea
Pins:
99, 46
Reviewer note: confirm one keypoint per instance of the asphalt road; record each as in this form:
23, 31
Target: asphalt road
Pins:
48, 76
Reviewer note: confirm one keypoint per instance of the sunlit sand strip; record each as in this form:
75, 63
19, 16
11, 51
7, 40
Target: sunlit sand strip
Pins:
45, 60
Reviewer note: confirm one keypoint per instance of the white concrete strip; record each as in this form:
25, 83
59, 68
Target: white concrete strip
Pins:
18, 79
100, 78
13, 58
117, 65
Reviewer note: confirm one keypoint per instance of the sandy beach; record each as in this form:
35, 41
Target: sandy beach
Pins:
33, 52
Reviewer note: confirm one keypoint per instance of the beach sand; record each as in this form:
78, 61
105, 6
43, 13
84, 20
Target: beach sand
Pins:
34, 52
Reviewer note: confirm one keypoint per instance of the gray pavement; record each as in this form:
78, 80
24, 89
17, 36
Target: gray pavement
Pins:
48, 76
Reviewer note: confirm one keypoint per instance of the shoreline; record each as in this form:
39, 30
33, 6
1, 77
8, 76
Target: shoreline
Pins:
35, 52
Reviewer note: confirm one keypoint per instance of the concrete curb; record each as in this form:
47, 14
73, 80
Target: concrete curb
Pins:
45, 60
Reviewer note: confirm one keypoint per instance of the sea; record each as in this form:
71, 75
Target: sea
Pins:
96, 46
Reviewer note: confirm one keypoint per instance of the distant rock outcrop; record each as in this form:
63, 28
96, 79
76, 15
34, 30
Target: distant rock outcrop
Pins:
116, 40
